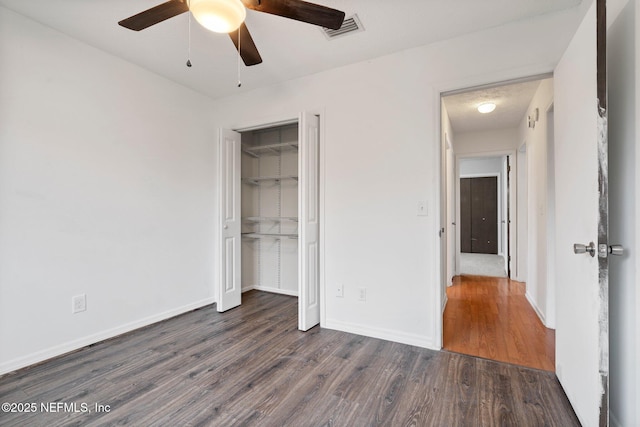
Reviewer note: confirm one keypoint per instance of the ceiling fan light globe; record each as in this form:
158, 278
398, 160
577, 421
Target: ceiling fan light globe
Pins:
220, 16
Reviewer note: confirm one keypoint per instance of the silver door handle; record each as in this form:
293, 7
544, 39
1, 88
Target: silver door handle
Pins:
226, 227
581, 249
616, 250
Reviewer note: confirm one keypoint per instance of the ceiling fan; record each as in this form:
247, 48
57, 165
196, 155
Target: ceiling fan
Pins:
227, 16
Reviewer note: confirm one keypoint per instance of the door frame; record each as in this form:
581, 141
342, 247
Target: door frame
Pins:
265, 122
511, 227
445, 88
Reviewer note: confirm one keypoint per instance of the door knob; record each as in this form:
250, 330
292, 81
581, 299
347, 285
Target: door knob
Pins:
581, 249
225, 227
616, 250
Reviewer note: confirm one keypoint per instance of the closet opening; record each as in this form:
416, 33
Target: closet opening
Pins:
269, 209
268, 194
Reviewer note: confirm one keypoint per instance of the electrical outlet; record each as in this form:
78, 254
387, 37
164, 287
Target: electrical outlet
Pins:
79, 303
362, 294
340, 290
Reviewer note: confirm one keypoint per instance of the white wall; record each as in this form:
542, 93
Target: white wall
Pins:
471, 166
106, 188
380, 156
107, 176
449, 180
522, 214
538, 286
624, 210
489, 141
451, 212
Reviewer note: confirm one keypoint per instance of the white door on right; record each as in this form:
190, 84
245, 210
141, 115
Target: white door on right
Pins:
582, 326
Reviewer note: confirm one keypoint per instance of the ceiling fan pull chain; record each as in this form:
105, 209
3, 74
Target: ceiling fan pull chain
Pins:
239, 56
189, 48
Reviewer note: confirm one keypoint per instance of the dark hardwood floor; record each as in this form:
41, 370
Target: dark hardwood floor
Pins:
490, 317
251, 366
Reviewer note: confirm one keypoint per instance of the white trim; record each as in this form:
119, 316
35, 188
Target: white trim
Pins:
322, 115
383, 334
267, 122
436, 318
480, 175
270, 289
536, 309
61, 349
529, 78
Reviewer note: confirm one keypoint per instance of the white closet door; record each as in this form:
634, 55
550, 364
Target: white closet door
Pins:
308, 223
229, 268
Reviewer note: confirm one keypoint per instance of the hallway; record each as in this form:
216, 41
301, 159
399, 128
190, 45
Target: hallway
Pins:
490, 317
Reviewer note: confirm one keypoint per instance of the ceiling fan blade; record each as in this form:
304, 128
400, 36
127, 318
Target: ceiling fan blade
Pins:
300, 11
155, 15
248, 50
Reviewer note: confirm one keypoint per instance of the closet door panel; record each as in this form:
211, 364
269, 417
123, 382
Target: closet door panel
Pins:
309, 191
484, 215
229, 268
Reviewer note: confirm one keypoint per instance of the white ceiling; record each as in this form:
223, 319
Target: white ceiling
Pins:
290, 49
512, 101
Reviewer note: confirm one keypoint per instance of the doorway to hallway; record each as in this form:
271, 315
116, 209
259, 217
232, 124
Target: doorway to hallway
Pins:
498, 313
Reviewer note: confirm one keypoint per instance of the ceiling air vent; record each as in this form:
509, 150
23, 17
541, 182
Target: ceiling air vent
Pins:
350, 25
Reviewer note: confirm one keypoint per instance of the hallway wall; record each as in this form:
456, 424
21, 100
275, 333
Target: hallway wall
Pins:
487, 141
539, 290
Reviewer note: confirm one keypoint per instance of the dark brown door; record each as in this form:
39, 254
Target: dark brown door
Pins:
479, 215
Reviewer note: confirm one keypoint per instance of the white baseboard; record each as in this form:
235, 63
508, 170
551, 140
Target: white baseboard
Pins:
58, 350
384, 334
535, 308
269, 289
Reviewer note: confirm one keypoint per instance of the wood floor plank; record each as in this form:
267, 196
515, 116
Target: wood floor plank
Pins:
252, 367
491, 318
